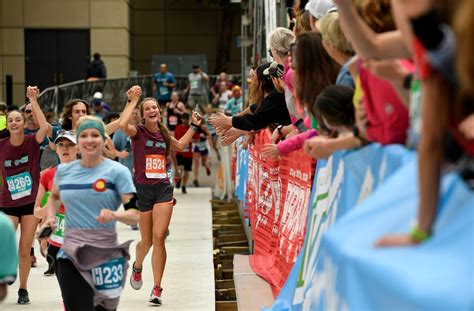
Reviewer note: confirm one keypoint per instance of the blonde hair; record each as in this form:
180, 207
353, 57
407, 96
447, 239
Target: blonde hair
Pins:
332, 33
280, 40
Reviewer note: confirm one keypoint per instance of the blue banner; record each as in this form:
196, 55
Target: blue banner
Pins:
242, 172
343, 181
351, 274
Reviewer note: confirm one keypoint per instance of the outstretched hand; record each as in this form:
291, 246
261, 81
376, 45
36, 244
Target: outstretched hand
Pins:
221, 122
32, 93
134, 93
230, 136
270, 151
396, 240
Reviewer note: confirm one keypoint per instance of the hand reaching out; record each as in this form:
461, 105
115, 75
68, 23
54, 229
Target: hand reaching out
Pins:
221, 122
270, 151
134, 93
32, 93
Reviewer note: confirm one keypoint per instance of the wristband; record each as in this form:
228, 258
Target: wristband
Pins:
194, 126
279, 127
419, 235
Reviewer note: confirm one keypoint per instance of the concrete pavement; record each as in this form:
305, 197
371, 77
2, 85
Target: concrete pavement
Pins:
189, 275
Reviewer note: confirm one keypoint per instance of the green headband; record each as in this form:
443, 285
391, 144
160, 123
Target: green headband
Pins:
91, 124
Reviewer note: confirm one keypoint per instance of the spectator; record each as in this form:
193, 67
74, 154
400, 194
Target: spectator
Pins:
164, 83
3, 116
221, 98
101, 109
217, 85
96, 69
318, 9
197, 89
234, 105
337, 46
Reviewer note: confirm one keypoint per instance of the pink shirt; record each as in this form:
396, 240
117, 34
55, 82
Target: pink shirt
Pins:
387, 116
295, 142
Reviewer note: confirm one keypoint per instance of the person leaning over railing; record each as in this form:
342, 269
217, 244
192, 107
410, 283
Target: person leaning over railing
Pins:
272, 109
448, 101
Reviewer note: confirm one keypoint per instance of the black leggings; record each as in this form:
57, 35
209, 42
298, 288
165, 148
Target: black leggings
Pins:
76, 292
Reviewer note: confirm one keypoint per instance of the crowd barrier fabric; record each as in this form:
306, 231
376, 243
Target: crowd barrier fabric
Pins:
223, 187
343, 181
277, 198
242, 169
352, 274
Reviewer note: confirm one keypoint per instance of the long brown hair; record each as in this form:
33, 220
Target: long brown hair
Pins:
67, 112
162, 128
315, 69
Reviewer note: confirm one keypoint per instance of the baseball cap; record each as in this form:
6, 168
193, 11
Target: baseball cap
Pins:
97, 95
236, 88
319, 8
275, 70
70, 135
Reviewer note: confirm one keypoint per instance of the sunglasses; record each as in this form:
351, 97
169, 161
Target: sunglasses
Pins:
28, 111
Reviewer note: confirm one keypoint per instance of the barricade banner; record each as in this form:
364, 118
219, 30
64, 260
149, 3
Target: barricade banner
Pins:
346, 179
351, 274
223, 187
242, 169
277, 198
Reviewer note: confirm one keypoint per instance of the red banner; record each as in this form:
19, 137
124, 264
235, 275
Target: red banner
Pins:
278, 192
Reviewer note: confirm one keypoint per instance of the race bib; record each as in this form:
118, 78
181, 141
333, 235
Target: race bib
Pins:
173, 120
155, 166
163, 90
108, 277
20, 185
194, 84
58, 235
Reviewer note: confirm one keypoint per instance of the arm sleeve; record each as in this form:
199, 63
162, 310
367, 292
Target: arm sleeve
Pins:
296, 142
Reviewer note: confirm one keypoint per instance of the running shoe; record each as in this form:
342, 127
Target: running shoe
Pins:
136, 278
155, 296
49, 272
23, 298
183, 190
208, 171
33, 261
134, 227
195, 183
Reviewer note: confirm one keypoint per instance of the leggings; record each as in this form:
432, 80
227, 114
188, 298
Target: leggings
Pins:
76, 292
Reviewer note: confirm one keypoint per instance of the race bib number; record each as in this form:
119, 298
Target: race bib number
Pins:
163, 90
108, 277
155, 166
58, 235
194, 84
20, 185
173, 120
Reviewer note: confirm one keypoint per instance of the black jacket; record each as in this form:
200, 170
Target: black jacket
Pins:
272, 110
97, 69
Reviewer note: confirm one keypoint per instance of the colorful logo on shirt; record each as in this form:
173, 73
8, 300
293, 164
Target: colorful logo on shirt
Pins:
100, 185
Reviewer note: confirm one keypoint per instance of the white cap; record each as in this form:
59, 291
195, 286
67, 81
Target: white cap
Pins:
319, 8
98, 95
69, 135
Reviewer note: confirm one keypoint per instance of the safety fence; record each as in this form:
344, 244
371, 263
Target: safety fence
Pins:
113, 90
315, 245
